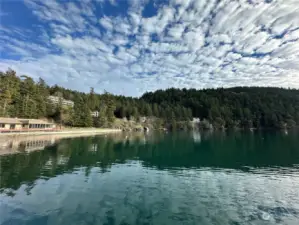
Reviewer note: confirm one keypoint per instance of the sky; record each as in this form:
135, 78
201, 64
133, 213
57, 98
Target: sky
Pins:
129, 47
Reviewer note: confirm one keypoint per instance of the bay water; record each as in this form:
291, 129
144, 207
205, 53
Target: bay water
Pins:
224, 178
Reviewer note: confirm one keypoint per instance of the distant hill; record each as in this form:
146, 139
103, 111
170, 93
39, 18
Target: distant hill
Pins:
266, 107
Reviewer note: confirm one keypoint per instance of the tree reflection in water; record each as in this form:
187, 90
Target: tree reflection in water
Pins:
232, 150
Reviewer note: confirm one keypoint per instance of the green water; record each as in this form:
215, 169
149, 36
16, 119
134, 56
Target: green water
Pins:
182, 178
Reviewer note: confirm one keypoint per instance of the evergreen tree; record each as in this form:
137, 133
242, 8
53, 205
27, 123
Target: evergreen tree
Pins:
135, 113
148, 110
92, 100
9, 90
5, 100
156, 110
110, 104
41, 98
86, 114
101, 120
82, 114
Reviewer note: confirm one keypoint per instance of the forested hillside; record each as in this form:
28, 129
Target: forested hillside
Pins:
21, 97
258, 107
243, 107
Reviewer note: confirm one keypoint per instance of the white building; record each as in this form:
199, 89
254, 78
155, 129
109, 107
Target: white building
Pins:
195, 120
10, 124
56, 100
95, 114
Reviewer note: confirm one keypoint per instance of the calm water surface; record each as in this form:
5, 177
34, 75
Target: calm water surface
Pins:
207, 178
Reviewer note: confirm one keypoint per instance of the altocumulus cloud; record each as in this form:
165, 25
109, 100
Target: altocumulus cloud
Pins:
129, 47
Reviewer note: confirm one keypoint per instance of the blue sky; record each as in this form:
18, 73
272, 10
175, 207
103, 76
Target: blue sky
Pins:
132, 46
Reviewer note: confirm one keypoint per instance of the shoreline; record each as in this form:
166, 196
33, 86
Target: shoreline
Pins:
78, 131
12, 143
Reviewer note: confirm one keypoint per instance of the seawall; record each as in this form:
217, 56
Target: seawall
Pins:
66, 132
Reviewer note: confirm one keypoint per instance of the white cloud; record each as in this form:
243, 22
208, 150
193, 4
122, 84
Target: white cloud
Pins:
176, 31
158, 23
122, 26
254, 41
194, 39
287, 50
269, 46
60, 29
194, 43
88, 44
106, 22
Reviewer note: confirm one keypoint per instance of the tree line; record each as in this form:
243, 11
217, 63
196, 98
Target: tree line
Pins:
243, 107
21, 96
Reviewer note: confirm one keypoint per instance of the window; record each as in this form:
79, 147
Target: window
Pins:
2, 125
